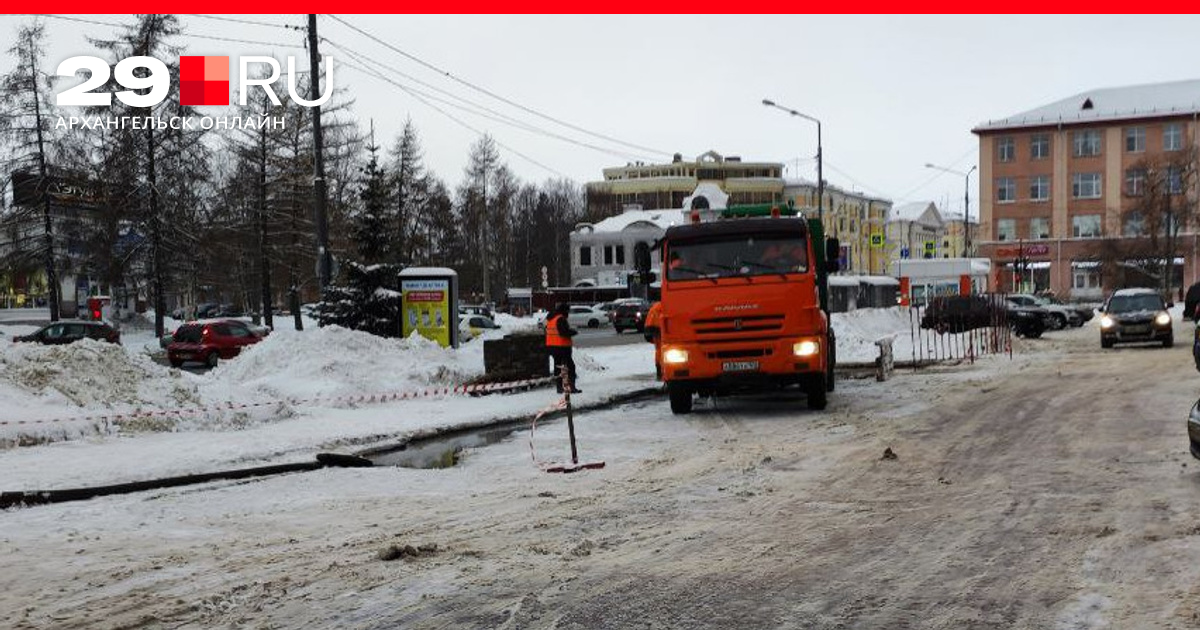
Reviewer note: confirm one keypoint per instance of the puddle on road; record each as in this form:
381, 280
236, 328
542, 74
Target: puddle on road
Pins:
441, 451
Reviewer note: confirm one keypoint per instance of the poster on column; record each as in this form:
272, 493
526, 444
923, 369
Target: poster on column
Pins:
426, 306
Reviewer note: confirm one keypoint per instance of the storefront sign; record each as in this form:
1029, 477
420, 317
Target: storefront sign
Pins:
1017, 252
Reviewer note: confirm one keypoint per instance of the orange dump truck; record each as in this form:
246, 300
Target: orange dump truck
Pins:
744, 306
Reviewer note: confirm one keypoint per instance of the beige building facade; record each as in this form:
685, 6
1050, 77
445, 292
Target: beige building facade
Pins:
661, 186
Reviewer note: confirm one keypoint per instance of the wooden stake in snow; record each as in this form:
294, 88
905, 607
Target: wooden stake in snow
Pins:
574, 465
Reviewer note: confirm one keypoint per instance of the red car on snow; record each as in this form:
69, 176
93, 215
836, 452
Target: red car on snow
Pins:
210, 341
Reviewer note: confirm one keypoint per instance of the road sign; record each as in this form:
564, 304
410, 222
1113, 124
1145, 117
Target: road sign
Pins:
877, 240
904, 252
930, 247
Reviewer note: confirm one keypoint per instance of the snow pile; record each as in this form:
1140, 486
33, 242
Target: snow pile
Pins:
89, 374
858, 330
334, 361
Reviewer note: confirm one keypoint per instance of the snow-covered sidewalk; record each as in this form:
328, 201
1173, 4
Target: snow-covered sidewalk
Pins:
244, 413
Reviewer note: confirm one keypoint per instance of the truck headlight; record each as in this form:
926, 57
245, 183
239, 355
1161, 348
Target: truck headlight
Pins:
1163, 319
805, 348
675, 356
1106, 322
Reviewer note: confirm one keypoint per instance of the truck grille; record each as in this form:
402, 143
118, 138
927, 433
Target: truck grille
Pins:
739, 354
744, 324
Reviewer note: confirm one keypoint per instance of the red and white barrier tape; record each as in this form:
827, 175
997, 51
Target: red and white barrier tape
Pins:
120, 418
561, 403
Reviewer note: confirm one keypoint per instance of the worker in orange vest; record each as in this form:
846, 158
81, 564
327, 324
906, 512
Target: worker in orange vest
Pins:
558, 343
653, 332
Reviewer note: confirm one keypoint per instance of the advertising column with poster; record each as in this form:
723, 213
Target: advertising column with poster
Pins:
429, 303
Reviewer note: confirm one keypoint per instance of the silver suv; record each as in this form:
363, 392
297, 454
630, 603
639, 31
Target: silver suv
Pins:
1133, 315
1061, 316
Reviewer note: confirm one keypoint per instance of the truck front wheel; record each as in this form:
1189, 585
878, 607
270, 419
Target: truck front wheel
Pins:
681, 398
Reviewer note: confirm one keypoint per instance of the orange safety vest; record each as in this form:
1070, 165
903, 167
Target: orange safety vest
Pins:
553, 338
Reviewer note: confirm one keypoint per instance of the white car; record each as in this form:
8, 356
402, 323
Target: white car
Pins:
472, 326
581, 316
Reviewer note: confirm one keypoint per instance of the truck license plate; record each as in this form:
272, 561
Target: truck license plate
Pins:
739, 366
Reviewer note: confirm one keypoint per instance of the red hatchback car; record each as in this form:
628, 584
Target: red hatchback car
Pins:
210, 341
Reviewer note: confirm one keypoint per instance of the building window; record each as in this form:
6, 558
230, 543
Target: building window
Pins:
1006, 229
1006, 190
1039, 228
585, 256
1135, 182
1085, 226
1085, 185
1173, 137
1086, 279
1039, 146
1039, 188
1135, 139
1174, 181
1133, 224
1006, 149
1087, 143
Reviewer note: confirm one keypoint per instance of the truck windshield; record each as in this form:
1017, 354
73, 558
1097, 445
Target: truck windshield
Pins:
756, 255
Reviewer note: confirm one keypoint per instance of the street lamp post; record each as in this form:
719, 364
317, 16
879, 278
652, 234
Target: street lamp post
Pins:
820, 174
966, 202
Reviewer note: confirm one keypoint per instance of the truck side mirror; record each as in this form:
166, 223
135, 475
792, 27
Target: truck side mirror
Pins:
833, 251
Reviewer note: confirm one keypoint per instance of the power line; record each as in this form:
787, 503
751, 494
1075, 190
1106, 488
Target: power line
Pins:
936, 175
468, 106
455, 119
860, 185
181, 34
245, 21
491, 94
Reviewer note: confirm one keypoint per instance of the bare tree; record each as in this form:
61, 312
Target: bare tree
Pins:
1162, 188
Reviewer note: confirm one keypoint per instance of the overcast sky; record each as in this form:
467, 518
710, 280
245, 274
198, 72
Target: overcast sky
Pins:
893, 93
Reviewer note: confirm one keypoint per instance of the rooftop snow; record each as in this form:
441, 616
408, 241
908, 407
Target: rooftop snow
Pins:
1105, 104
909, 211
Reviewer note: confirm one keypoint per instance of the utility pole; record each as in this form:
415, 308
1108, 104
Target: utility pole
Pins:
264, 261
53, 287
323, 264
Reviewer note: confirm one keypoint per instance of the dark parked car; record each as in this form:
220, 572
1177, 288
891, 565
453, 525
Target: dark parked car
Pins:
1027, 321
64, 332
631, 315
1135, 315
208, 342
960, 313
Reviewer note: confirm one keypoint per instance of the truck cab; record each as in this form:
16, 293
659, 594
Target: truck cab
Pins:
744, 307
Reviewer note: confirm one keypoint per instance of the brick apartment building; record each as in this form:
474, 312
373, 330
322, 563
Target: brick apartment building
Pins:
1060, 181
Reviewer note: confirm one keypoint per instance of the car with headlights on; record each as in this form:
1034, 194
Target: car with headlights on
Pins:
1135, 315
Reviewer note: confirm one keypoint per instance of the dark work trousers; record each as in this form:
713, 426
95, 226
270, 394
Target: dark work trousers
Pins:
562, 356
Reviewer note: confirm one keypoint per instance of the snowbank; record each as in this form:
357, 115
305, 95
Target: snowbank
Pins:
858, 330
335, 361
89, 374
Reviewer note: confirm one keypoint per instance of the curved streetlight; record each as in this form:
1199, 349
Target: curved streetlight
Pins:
820, 176
966, 202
